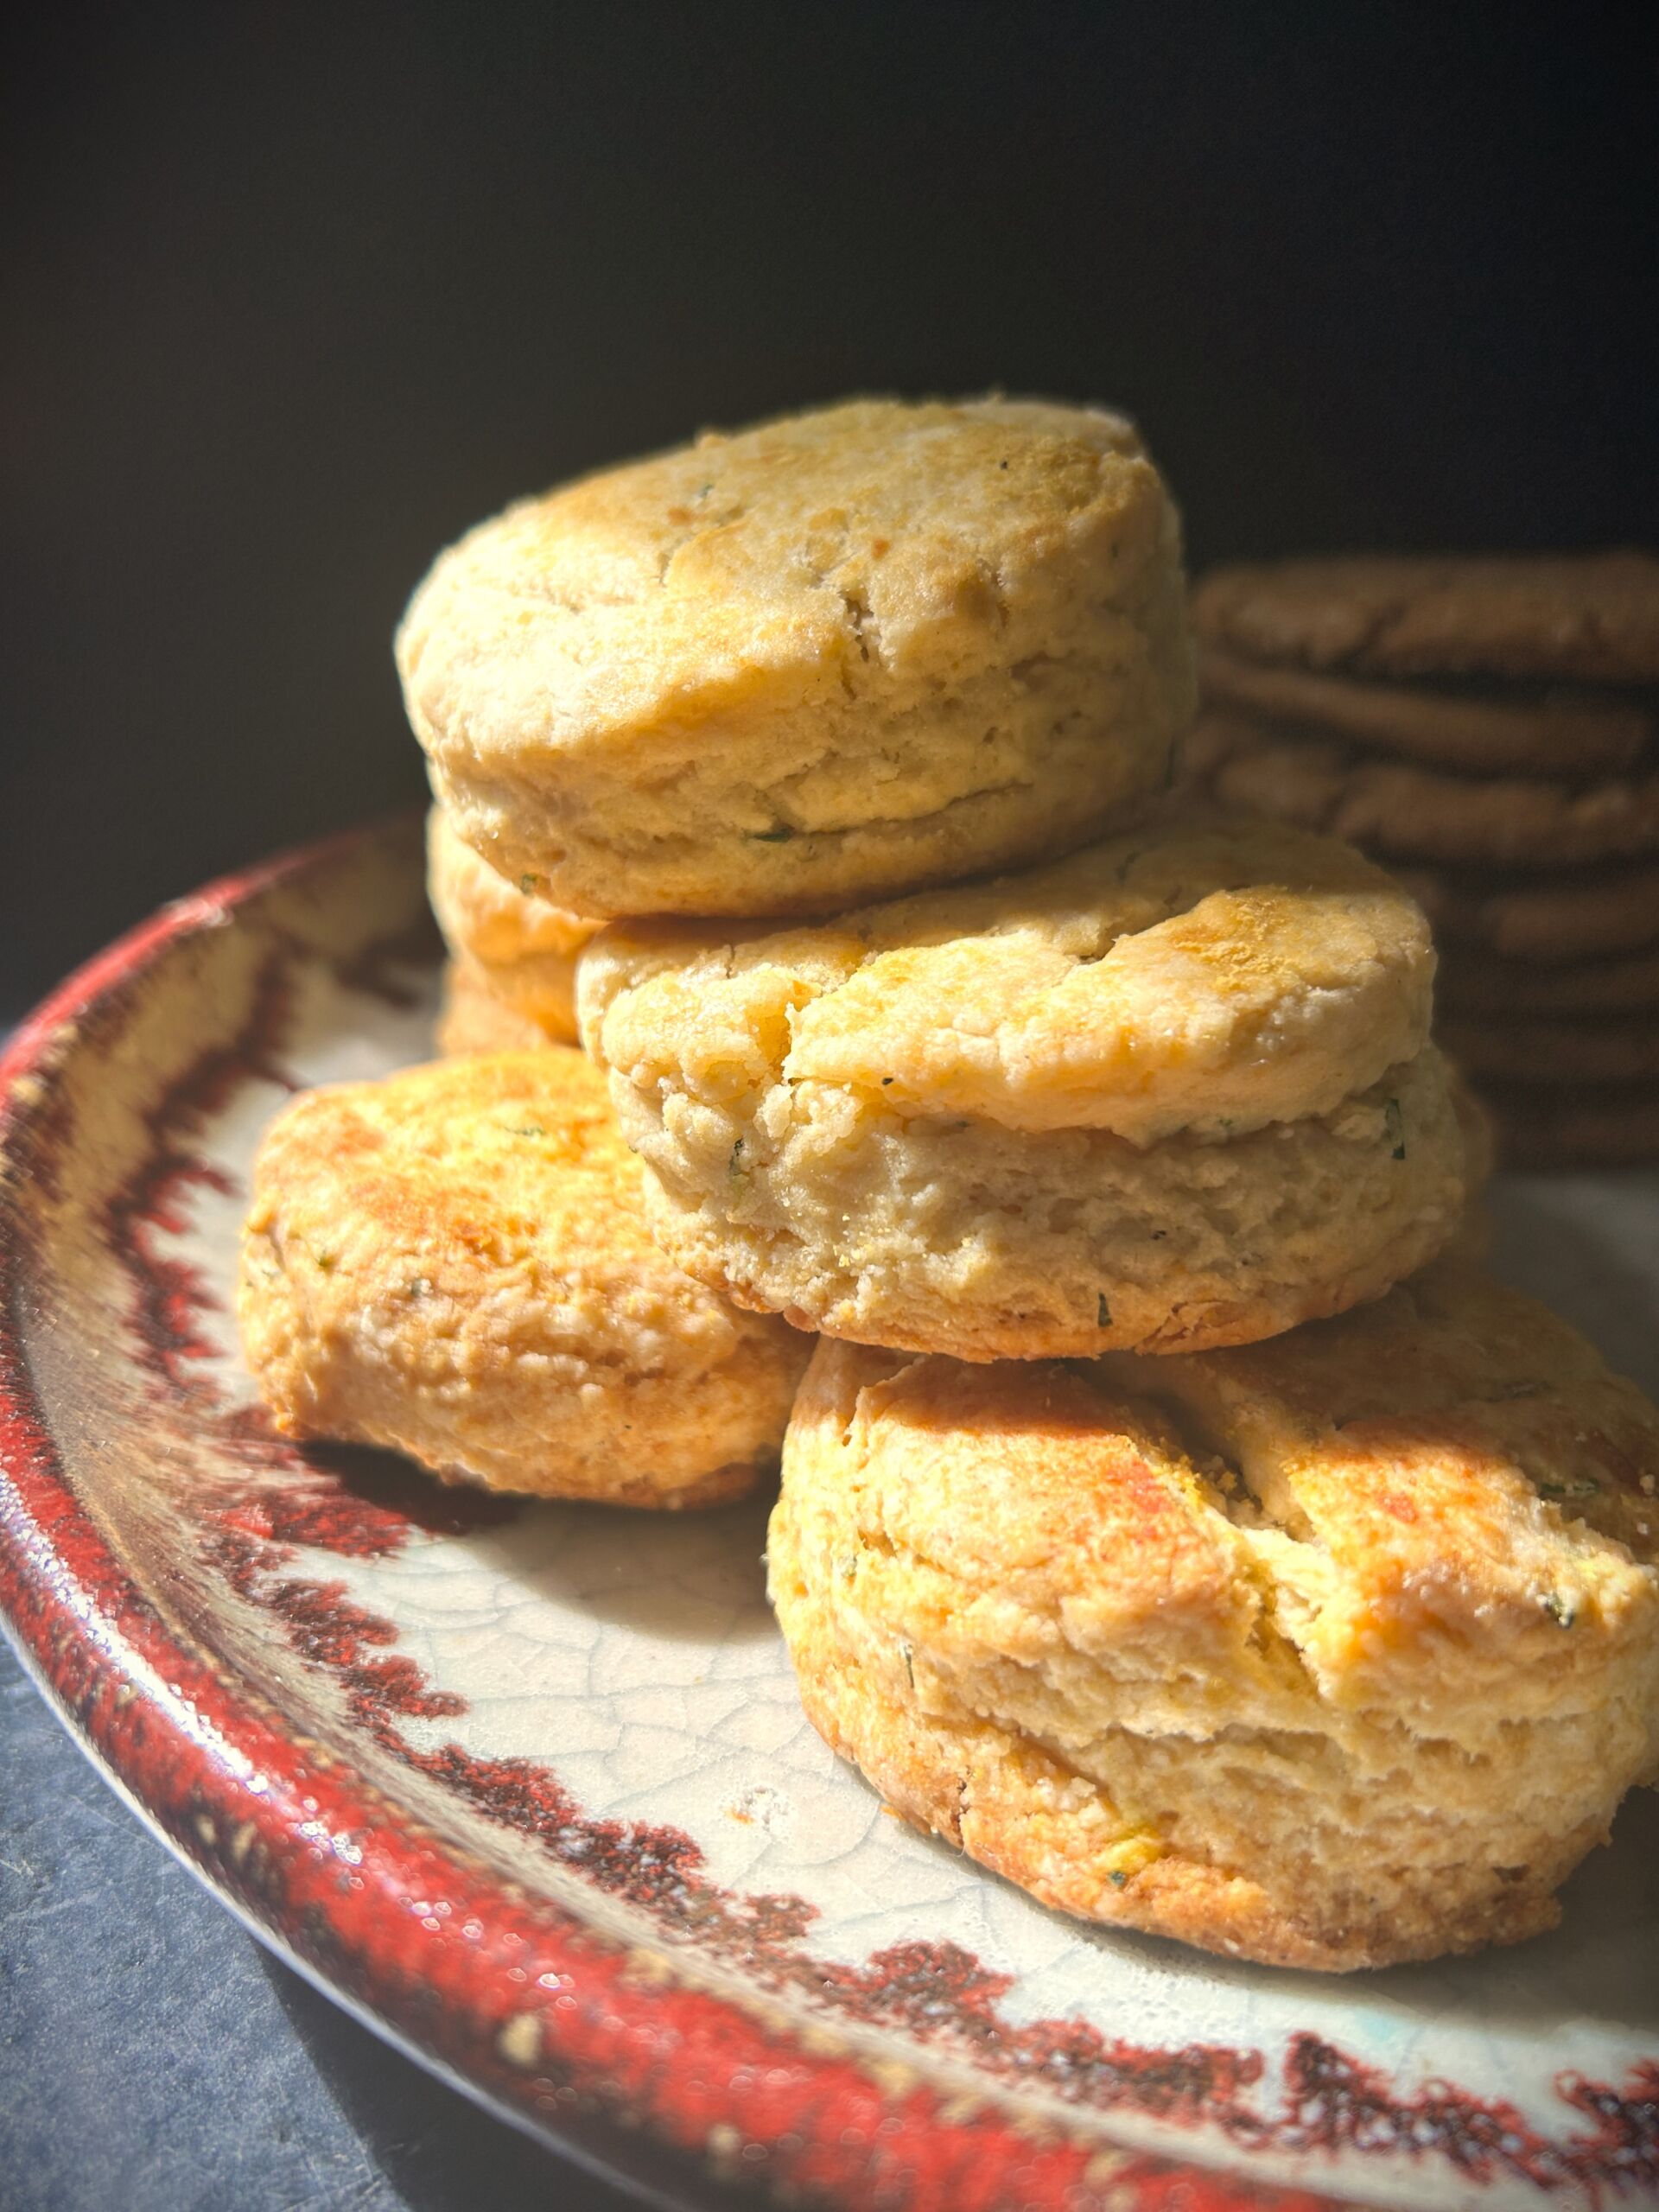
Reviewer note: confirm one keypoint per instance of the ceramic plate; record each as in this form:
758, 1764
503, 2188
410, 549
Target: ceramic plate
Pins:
529, 1787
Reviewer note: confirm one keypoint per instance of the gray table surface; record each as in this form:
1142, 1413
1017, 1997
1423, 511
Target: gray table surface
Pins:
153, 2058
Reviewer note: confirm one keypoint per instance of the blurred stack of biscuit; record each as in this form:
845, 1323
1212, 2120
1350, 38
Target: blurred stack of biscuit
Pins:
511, 978
1163, 1519
1486, 727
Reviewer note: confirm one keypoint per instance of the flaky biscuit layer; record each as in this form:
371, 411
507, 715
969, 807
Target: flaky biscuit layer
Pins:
993, 1244
818, 661
1193, 974
1331, 1652
1170, 1092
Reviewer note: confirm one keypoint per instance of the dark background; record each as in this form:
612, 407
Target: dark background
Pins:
289, 299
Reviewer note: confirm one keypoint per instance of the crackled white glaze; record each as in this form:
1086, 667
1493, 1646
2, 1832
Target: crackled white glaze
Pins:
635, 1657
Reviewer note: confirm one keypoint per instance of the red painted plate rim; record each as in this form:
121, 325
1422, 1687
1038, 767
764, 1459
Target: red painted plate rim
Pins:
175, 1736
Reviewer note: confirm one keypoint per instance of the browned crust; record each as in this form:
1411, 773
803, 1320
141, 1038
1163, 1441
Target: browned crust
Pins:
650, 691
1333, 1652
453, 1263
723, 1487
953, 1780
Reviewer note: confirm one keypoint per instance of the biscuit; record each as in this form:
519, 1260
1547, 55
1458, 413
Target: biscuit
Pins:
474, 1018
1591, 616
1487, 982
1333, 1652
1610, 1127
1548, 732
1554, 1051
1171, 1090
819, 661
453, 1263
523, 947
1408, 812
1569, 918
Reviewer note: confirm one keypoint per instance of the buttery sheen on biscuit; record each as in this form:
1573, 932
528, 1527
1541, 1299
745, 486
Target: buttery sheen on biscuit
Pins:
1331, 1652
827, 660
1173, 1091
521, 947
453, 1263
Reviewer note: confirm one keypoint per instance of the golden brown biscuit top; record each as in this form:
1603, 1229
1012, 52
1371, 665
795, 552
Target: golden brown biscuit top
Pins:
485, 1185
1191, 974
705, 576
1453, 1406
1376, 1508
1591, 615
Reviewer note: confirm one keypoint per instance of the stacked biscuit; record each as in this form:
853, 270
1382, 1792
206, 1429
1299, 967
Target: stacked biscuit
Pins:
1488, 727
1163, 1519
